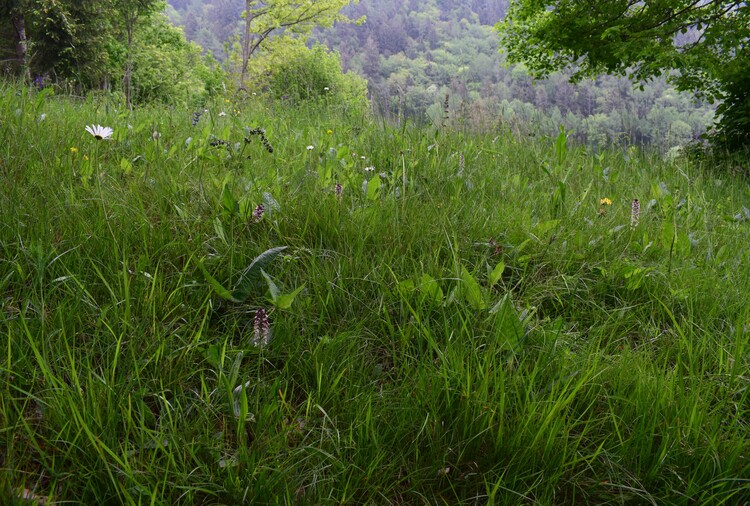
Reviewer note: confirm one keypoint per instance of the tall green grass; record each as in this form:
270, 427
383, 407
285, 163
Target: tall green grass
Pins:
464, 323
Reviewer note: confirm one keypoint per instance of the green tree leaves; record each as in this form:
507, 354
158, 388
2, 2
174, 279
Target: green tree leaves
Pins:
700, 46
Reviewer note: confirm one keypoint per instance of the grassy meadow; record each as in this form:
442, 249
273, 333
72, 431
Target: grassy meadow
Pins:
287, 305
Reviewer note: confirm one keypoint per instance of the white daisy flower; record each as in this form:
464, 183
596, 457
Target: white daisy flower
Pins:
222, 113
310, 148
99, 131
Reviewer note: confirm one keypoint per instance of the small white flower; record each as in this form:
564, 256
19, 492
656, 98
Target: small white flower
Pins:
222, 113
99, 131
363, 157
326, 88
42, 117
155, 135
369, 169
310, 147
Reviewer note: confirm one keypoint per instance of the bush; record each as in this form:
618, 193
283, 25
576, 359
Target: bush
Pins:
288, 69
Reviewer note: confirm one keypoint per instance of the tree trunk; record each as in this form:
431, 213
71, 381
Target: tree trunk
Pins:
246, 43
21, 45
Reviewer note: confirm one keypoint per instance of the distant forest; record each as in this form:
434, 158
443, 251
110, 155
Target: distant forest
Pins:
415, 53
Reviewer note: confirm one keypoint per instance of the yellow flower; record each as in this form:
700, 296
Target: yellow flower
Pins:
605, 202
226, 100
329, 131
74, 150
85, 157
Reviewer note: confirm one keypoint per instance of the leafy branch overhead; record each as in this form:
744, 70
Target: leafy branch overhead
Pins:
699, 46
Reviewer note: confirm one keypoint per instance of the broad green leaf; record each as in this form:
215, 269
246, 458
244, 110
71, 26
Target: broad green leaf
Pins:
667, 234
430, 290
218, 288
472, 291
228, 203
546, 226
285, 301
508, 326
126, 166
406, 287
213, 355
219, 229
251, 279
272, 288
373, 188
497, 273
683, 244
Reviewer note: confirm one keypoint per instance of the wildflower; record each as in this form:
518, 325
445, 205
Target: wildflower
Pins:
74, 150
262, 134
226, 100
42, 117
99, 132
196, 117
363, 157
310, 147
258, 213
261, 327
326, 88
329, 131
222, 114
86, 157
155, 135
370, 169
219, 142
635, 213
605, 202
338, 189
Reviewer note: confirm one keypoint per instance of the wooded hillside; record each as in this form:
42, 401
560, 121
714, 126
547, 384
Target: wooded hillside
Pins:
415, 53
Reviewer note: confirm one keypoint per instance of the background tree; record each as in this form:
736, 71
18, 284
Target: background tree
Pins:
13, 10
700, 45
67, 40
130, 12
262, 19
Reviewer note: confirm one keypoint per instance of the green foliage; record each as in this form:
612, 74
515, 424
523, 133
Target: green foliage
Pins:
83, 45
168, 69
288, 69
440, 340
67, 39
698, 45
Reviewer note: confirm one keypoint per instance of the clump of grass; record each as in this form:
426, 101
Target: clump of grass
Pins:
428, 335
